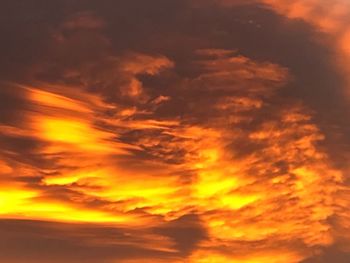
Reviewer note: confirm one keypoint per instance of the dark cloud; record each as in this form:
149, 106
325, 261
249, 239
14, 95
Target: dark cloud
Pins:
332, 254
186, 231
36, 241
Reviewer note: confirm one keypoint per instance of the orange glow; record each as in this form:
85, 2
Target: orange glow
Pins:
72, 132
270, 257
54, 100
214, 142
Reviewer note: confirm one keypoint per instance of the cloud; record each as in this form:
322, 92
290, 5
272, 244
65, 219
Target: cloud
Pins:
40, 241
206, 146
84, 20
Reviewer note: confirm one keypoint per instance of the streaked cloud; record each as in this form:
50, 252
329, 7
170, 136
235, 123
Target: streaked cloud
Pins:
190, 151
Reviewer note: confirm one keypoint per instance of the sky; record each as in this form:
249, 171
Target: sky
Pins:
175, 131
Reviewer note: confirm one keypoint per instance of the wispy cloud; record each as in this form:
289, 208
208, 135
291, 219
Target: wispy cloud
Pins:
193, 151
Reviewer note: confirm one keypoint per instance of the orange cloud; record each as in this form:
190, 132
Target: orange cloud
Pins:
105, 148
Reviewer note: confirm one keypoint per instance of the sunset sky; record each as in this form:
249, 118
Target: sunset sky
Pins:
175, 131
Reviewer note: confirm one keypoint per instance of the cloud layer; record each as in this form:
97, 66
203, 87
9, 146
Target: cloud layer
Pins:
128, 135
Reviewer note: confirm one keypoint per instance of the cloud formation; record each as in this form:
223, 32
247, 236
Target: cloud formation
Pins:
202, 147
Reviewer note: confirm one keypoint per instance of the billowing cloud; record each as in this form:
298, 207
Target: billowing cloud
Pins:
117, 147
